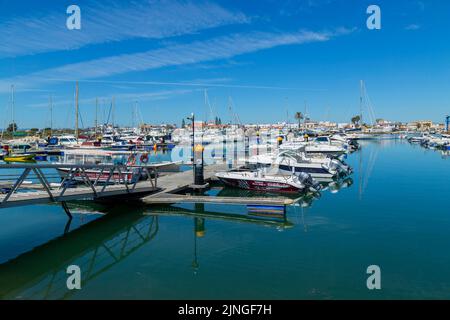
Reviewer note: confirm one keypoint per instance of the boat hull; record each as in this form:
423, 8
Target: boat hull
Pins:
258, 185
315, 172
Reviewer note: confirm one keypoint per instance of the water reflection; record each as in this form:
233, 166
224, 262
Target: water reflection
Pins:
99, 245
95, 247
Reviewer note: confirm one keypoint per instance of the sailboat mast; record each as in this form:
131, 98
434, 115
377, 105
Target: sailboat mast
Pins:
133, 115
12, 110
76, 111
361, 101
96, 115
113, 107
51, 115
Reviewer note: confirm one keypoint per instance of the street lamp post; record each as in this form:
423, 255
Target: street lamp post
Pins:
192, 118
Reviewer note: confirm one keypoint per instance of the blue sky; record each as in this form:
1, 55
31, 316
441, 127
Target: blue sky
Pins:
271, 57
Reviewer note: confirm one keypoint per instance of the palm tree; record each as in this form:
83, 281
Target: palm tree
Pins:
12, 127
356, 120
299, 117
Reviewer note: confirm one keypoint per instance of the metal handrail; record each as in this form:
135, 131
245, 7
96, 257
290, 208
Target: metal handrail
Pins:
74, 166
79, 170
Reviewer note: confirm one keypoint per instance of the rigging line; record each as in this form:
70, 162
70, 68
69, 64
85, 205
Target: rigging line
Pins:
109, 113
81, 118
141, 118
371, 111
370, 166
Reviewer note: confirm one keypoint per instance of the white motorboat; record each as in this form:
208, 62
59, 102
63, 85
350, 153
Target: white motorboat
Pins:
259, 180
319, 167
318, 145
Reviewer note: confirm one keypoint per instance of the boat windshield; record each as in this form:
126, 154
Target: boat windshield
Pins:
322, 139
292, 154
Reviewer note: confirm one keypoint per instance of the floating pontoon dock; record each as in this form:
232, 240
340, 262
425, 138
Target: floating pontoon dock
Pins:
168, 188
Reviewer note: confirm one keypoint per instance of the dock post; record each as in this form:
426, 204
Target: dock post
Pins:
235, 152
224, 149
198, 165
257, 143
246, 148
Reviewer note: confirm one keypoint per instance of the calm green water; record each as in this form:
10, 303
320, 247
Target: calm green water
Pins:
395, 215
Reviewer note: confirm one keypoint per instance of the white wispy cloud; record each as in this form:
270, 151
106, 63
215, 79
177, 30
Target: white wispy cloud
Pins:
109, 22
200, 51
119, 98
412, 27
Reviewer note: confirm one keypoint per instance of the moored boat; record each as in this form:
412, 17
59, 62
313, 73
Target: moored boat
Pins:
19, 158
260, 181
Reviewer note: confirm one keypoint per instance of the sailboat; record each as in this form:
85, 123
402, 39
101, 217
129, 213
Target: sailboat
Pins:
364, 100
10, 157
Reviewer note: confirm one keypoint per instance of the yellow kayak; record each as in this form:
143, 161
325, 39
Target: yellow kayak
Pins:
19, 158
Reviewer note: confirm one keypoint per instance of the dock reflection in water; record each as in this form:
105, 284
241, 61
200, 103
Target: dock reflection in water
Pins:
94, 247
101, 244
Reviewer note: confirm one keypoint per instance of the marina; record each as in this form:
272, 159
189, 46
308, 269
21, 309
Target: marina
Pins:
224, 154
297, 189
195, 233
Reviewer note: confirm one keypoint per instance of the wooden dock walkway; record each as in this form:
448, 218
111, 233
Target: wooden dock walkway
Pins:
176, 182
168, 188
165, 198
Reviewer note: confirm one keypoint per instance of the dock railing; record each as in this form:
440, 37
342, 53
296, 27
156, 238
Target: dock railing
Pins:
76, 181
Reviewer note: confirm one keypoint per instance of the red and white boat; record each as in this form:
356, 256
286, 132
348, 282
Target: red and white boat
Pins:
260, 181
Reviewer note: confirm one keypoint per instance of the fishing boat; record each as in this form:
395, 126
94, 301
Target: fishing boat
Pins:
19, 158
259, 180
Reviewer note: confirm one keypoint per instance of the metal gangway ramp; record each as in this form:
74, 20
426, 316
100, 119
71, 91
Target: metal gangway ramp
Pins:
78, 183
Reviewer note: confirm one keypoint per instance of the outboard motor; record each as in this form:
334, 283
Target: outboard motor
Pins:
308, 181
336, 164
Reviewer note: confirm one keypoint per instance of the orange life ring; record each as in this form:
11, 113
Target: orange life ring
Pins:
144, 158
